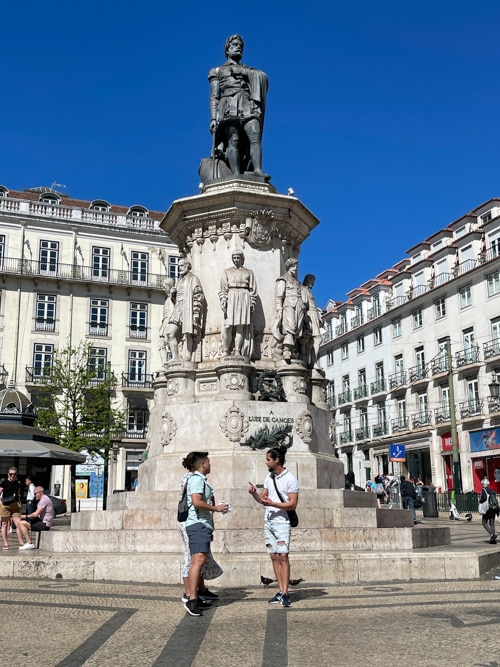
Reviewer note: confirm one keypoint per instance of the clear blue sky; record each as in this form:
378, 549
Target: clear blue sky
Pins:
383, 116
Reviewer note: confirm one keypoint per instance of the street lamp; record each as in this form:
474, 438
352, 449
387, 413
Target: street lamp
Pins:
494, 386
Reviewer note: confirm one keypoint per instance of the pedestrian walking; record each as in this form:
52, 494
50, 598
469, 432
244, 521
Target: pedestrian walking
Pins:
489, 510
277, 529
10, 505
408, 496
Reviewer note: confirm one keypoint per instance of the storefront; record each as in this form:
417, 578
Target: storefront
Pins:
485, 457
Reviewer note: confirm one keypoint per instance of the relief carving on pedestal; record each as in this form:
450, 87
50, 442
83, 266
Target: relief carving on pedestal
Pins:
260, 228
172, 387
300, 386
234, 424
304, 426
234, 381
168, 428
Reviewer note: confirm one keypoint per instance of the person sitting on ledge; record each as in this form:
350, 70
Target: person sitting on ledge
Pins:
39, 520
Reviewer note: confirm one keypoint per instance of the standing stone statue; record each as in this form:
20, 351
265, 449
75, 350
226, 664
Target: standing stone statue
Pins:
186, 320
168, 308
312, 323
237, 297
290, 309
237, 107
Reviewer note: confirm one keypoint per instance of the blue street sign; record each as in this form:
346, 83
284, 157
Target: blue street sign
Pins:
397, 452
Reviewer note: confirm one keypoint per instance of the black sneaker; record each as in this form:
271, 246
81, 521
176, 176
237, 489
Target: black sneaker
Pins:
276, 599
192, 608
203, 604
285, 600
185, 597
207, 595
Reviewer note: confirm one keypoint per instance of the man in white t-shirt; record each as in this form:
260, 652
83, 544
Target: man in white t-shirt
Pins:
43, 515
277, 529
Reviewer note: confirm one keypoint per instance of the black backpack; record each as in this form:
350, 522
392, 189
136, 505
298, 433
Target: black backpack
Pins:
182, 507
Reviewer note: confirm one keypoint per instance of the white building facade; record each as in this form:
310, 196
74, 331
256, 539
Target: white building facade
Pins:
385, 354
72, 271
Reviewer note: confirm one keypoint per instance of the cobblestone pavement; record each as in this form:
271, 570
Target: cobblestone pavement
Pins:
68, 624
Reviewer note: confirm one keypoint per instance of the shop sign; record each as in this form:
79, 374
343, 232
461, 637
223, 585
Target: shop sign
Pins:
397, 452
447, 442
484, 441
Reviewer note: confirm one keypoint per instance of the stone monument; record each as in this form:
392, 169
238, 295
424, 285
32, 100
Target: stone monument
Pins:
243, 336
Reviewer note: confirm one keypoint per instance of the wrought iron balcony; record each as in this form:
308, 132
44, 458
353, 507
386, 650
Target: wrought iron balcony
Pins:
98, 329
397, 379
331, 401
374, 312
360, 392
421, 419
468, 356
491, 349
87, 274
344, 397
377, 386
417, 373
136, 331
327, 336
400, 424
134, 434
45, 324
362, 433
357, 321
344, 437
493, 405
442, 415
472, 408
3, 374
379, 430
341, 329
439, 365
38, 374
137, 380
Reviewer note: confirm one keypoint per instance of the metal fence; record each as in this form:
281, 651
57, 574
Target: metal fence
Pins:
464, 502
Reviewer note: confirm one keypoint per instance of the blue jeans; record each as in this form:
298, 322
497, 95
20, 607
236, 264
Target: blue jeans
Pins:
409, 504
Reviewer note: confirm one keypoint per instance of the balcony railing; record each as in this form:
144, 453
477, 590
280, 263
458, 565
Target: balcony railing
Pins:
442, 415
439, 365
374, 312
344, 397
362, 433
468, 356
400, 424
87, 274
341, 329
37, 374
137, 380
421, 419
134, 434
379, 430
138, 332
397, 379
377, 386
493, 405
75, 214
491, 348
360, 392
344, 437
357, 321
417, 373
327, 336
45, 325
98, 329
472, 408
331, 401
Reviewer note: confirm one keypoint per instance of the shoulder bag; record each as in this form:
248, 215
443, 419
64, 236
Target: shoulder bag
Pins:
292, 514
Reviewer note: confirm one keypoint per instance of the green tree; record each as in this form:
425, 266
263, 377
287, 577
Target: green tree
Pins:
75, 401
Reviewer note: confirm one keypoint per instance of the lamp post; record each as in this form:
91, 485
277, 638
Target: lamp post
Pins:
457, 476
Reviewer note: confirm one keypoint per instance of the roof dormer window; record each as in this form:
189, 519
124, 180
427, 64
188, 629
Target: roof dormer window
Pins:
3, 191
50, 199
138, 211
100, 205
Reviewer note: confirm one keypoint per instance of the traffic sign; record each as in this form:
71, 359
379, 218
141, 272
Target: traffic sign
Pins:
397, 452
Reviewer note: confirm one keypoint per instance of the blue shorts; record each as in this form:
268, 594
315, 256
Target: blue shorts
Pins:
276, 532
200, 537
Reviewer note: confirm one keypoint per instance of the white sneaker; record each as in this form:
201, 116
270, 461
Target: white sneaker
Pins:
28, 545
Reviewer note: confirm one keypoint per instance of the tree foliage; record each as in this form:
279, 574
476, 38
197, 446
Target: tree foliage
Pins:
75, 401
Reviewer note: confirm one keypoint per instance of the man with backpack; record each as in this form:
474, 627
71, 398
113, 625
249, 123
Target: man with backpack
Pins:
492, 509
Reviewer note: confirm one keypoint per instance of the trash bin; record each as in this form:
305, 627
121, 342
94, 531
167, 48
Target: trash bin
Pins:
430, 502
